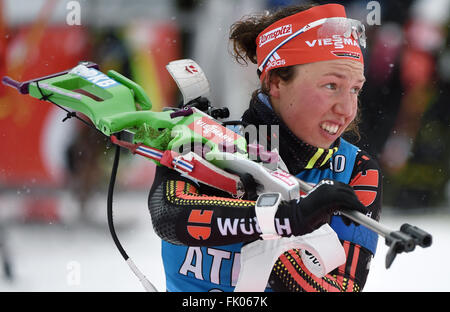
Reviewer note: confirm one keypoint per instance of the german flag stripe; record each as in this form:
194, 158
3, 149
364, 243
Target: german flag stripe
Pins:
180, 190
348, 275
299, 262
295, 274
366, 197
192, 189
355, 259
369, 178
352, 286
348, 268
349, 250
341, 269
317, 280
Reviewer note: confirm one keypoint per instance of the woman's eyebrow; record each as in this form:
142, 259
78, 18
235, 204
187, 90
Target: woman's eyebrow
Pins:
342, 76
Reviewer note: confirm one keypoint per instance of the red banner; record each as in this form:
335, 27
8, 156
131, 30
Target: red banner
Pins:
26, 123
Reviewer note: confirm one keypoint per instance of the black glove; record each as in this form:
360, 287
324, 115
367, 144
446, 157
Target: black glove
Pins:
310, 212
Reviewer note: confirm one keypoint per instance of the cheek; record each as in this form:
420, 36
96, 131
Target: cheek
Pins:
306, 107
303, 112
354, 113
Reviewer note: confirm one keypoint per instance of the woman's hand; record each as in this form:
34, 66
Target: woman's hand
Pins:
318, 206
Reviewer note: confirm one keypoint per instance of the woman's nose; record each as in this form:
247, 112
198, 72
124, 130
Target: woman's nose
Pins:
345, 104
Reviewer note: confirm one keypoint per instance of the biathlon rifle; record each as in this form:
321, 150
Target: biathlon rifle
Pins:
115, 104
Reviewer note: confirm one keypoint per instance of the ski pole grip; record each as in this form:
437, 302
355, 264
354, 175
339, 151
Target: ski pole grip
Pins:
407, 241
423, 238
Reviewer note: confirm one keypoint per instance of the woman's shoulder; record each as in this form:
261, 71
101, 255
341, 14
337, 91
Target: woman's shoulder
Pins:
366, 166
362, 156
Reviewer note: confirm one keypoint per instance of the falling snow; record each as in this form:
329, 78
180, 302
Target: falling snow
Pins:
46, 255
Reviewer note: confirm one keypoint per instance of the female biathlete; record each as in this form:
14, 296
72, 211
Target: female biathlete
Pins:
311, 73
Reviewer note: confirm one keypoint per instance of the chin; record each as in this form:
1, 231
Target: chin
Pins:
324, 145
319, 143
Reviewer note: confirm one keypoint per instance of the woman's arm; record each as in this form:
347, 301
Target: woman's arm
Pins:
290, 273
185, 213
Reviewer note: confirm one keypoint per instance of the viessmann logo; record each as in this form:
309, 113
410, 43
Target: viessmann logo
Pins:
275, 34
337, 41
213, 131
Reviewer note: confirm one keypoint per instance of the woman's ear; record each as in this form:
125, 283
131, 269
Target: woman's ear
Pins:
274, 81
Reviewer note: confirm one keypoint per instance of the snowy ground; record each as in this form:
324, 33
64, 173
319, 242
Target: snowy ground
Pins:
74, 256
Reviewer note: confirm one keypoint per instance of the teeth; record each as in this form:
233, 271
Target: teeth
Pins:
330, 128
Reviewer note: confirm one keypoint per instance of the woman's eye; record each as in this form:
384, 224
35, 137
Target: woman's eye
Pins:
356, 90
331, 86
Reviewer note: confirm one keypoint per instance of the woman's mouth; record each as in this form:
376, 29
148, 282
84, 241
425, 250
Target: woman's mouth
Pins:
329, 127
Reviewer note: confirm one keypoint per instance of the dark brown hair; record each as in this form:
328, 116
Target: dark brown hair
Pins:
243, 34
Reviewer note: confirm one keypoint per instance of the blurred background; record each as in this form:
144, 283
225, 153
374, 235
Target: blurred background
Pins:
54, 174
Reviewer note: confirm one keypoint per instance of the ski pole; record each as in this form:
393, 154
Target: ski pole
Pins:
4, 252
404, 240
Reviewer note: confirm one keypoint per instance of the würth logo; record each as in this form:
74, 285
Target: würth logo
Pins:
200, 232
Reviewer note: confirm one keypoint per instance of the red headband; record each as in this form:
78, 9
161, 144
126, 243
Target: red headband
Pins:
299, 39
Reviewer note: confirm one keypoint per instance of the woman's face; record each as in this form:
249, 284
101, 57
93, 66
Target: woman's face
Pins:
321, 101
